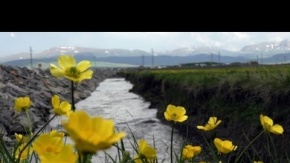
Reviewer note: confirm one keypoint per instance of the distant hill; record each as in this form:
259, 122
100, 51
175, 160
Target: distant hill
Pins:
266, 52
92, 52
266, 48
160, 60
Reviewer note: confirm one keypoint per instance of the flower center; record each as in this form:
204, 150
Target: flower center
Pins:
73, 72
174, 115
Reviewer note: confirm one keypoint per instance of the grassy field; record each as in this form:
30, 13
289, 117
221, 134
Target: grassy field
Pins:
237, 95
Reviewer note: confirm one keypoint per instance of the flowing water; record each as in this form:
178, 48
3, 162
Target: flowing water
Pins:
131, 114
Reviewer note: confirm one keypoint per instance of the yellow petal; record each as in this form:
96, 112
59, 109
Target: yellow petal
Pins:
86, 75
201, 127
265, 120
277, 129
167, 117
56, 71
181, 110
55, 101
219, 121
83, 66
170, 109
183, 118
212, 120
65, 106
66, 61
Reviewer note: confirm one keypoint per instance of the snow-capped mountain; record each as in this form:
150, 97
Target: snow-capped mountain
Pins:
267, 48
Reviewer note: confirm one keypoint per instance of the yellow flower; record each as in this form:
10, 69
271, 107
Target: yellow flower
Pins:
46, 143
145, 152
211, 124
175, 113
91, 134
60, 108
21, 138
70, 70
22, 103
190, 152
27, 151
258, 162
51, 148
268, 126
66, 155
225, 146
56, 133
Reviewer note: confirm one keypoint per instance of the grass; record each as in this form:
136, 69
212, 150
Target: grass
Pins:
238, 95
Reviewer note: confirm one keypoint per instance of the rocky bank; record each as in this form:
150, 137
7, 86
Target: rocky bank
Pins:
40, 86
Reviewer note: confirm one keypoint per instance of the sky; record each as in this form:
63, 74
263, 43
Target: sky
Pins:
17, 42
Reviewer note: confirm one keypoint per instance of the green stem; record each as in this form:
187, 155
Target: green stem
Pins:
272, 142
29, 123
6, 151
210, 148
72, 96
29, 142
80, 157
85, 157
171, 144
248, 146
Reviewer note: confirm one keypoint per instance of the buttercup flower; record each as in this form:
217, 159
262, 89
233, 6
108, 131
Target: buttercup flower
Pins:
268, 126
21, 138
189, 152
145, 152
51, 148
56, 133
27, 151
91, 134
70, 70
60, 108
225, 146
175, 113
258, 162
211, 124
46, 143
22, 103
66, 155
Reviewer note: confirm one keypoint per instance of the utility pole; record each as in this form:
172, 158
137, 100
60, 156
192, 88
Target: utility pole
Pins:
152, 58
261, 57
95, 61
31, 57
219, 57
142, 60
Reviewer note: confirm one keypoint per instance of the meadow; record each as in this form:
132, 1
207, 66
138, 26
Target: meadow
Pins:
236, 95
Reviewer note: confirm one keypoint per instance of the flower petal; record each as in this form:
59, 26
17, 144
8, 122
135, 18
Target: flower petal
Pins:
183, 118
55, 101
66, 61
201, 127
181, 111
86, 75
83, 66
277, 129
56, 71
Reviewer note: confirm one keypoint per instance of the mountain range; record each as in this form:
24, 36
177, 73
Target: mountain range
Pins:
265, 52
